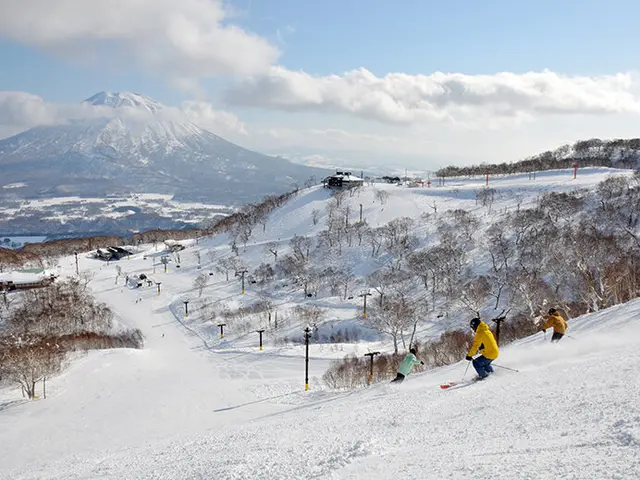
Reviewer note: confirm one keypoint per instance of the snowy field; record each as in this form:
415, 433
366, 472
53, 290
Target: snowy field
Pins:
190, 405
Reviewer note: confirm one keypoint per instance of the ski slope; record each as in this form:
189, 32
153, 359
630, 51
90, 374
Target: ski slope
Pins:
190, 405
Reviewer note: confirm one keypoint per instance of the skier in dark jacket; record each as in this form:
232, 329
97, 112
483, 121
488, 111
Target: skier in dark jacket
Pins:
407, 365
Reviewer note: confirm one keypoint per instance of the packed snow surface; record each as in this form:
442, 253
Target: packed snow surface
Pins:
190, 405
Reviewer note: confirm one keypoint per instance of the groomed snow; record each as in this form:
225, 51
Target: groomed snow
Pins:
192, 406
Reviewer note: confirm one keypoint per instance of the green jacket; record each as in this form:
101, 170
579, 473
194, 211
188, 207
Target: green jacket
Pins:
407, 364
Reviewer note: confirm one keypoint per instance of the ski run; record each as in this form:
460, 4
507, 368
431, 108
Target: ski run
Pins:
190, 405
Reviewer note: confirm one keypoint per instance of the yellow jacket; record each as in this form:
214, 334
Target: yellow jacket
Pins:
484, 337
557, 322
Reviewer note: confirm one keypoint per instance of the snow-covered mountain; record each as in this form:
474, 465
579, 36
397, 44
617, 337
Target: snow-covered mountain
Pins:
124, 99
132, 143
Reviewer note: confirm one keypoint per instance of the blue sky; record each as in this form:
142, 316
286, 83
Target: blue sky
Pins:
580, 41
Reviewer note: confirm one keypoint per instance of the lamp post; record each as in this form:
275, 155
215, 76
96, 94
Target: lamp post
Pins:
371, 355
260, 332
222, 325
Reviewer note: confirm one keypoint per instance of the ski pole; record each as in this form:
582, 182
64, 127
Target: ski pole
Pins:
466, 370
506, 368
572, 338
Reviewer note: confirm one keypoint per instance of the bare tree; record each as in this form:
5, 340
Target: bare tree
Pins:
376, 239
381, 281
264, 273
473, 294
611, 188
228, 264
272, 248
394, 317
309, 314
501, 249
345, 278
486, 197
301, 247
200, 282
26, 365
381, 195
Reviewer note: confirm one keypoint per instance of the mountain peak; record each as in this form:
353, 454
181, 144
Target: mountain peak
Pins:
124, 99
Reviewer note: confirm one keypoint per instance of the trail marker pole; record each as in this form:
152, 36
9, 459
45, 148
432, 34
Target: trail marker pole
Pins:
186, 308
158, 284
487, 177
222, 325
360, 213
307, 335
260, 332
575, 170
371, 355
77, 270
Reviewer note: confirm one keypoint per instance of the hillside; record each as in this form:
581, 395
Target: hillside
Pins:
193, 405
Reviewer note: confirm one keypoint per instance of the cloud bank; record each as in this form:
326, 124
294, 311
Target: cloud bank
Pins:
182, 40
398, 98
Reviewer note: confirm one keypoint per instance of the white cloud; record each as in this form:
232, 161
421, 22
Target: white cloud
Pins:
183, 39
217, 121
20, 111
487, 101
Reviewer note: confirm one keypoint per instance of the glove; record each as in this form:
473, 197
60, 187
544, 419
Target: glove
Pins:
544, 330
468, 358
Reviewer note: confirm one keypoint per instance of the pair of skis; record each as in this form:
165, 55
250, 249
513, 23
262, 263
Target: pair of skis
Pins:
448, 385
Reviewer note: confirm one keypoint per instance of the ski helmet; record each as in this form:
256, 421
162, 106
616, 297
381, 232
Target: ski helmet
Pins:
412, 350
552, 311
474, 323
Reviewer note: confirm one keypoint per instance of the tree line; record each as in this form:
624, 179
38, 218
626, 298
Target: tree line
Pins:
40, 327
618, 153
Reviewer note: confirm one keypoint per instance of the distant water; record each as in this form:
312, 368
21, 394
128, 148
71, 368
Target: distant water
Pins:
18, 241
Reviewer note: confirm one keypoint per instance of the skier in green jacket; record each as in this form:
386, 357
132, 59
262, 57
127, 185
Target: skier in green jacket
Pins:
407, 365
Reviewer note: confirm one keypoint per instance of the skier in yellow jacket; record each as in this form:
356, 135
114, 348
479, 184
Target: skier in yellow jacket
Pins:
486, 344
557, 322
